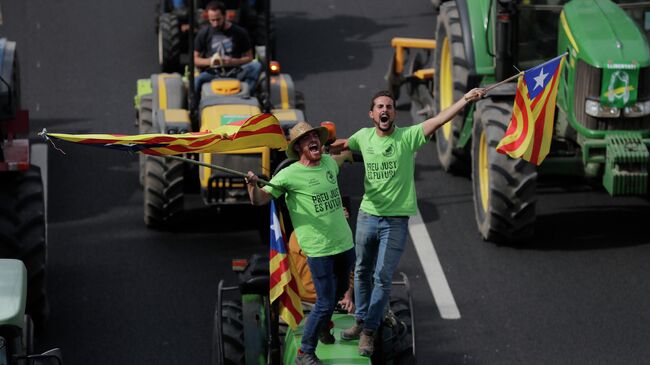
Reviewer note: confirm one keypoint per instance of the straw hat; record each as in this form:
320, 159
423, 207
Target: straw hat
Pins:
298, 131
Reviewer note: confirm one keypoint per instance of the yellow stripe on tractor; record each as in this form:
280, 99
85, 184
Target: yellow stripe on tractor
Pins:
400, 44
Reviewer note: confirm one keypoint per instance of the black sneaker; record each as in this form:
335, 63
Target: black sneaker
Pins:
307, 359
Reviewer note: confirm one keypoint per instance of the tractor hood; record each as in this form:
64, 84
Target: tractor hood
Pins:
603, 34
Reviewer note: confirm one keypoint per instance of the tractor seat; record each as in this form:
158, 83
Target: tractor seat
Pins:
255, 279
224, 87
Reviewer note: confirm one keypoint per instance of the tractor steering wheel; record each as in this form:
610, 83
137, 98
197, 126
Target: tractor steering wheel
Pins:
224, 71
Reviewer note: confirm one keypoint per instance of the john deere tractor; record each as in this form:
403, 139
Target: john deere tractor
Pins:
164, 104
22, 209
602, 122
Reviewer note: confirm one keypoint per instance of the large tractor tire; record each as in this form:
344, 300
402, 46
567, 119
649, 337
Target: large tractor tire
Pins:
23, 234
145, 126
450, 83
163, 191
169, 43
504, 188
232, 335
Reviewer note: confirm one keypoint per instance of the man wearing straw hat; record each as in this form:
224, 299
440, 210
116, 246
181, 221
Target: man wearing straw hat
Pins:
389, 199
311, 191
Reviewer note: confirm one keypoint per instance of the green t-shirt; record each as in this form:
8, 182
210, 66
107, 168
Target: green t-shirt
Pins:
389, 169
315, 206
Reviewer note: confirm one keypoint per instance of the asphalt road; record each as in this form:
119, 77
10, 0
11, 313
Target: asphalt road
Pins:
122, 294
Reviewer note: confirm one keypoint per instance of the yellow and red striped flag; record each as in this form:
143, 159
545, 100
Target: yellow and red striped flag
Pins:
282, 280
531, 129
256, 131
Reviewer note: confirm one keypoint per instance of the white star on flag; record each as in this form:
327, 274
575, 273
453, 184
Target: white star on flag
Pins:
275, 227
539, 80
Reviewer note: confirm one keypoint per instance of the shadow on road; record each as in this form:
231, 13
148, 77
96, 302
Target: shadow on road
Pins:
331, 44
595, 227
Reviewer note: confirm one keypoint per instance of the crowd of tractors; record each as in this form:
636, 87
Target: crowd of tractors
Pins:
601, 132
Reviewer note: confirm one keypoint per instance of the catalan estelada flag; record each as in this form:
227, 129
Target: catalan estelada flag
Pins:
256, 131
531, 129
282, 283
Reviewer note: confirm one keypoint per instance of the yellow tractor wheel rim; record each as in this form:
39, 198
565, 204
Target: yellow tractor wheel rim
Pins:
483, 172
446, 84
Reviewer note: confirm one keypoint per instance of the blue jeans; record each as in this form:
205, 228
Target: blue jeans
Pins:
249, 73
380, 243
331, 276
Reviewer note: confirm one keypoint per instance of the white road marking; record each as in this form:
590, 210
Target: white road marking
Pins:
432, 269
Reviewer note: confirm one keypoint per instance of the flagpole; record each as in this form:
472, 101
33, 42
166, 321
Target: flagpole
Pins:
220, 168
519, 74
503, 82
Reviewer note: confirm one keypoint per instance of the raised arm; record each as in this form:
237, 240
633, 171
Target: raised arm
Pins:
432, 124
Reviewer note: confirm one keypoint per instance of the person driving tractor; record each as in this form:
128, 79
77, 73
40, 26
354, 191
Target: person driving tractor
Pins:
222, 43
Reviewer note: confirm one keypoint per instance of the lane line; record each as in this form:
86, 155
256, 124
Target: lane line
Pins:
432, 268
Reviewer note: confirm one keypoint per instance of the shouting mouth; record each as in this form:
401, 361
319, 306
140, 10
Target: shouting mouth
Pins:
313, 147
383, 117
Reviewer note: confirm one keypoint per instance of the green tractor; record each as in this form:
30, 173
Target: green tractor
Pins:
247, 329
602, 119
16, 327
164, 104
23, 230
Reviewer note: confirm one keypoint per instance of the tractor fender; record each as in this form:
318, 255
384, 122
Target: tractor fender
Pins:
169, 112
283, 92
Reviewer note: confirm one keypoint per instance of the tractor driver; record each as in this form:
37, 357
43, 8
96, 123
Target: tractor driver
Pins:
314, 202
222, 43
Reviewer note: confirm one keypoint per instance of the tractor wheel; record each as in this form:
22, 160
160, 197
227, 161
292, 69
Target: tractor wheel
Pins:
504, 188
450, 83
169, 43
232, 335
163, 190
23, 234
145, 126
395, 340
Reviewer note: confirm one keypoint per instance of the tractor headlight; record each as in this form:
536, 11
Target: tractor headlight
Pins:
639, 109
596, 110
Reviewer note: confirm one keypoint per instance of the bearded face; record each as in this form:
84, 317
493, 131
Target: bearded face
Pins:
383, 113
309, 146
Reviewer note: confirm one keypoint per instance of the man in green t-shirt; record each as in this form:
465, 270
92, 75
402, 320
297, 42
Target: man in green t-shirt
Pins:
389, 199
312, 195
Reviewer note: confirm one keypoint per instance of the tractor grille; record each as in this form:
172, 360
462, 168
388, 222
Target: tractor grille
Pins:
588, 84
225, 188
